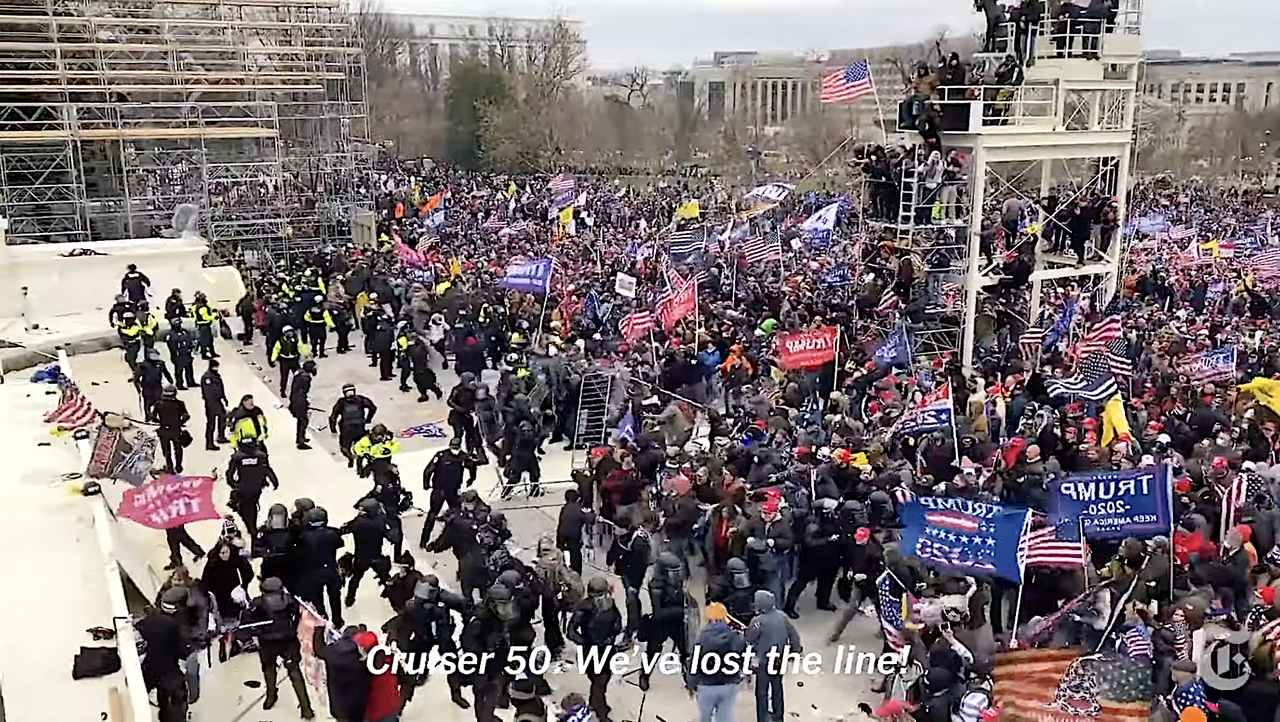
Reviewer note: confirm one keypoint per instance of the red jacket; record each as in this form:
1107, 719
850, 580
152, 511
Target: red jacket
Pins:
384, 696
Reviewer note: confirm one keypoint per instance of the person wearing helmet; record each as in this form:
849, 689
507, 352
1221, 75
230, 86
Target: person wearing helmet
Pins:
462, 528
318, 546
130, 334
486, 632
369, 529
182, 346
317, 323
819, 557
171, 414
204, 316
135, 284
373, 451
275, 614
524, 459
300, 402
273, 541
247, 474
149, 323
418, 358
165, 633
596, 624
118, 309
247, 421
214, 394
369, 316
734, 590
462, 407
349, 419
669, 603
289, 352
443, 477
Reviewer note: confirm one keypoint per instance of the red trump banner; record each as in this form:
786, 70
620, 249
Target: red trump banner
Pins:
680, 305
808, 348
170, 501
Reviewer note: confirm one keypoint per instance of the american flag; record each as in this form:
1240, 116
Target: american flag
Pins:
74, 410
1094, 381
563, 184
1032, 340
903, 495
762, 248
1043, 549
1233, 498
1136, 642
1267, 264
1190, 695
888, 301
1181, 233
494, 223
687, 242
890, 594
637, 324
517, 227
1108, 329
1118, 359
951, 294
847, 84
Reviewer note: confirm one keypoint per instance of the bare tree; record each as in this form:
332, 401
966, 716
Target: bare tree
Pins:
637, 84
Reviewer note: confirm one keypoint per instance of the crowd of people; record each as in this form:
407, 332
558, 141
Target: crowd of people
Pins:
720, 462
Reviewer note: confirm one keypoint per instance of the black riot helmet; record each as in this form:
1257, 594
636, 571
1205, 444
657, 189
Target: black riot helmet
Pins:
173, 599
277, 517
348, 390
511, 579
169, 392
302, 505
670, 568
273, 597
739, 575
427, 590
379, 433
317, 517
369, 507
501, 601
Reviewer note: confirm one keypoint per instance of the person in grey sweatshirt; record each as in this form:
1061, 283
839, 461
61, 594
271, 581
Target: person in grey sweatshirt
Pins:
770, 631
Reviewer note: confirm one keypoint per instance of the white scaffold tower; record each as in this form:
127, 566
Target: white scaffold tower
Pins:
1066, 133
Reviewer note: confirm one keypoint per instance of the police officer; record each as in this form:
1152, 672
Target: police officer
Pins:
734, 590
318, 545
443, 478
274, 543
395, 501
368, 319
168, 641
118, 309
171, 414
300, 402
214, 394
369, 529
819, 557
404, 339
351, 414
461, 536
317, 322
135, 284
174, 306
149, 324
248, 472
667, 602
150, 377
181, 352
205, 317
278, 641
487, 632
524, 459
288, 352
341, 326
462, 406
130, 337
247, 421
381, 345
374, 450
596, 624
427, 624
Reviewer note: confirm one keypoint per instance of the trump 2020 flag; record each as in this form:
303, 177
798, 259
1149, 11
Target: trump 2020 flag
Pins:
818, 227
1113, 504
966, 537
896, 350
531, 276
935, 412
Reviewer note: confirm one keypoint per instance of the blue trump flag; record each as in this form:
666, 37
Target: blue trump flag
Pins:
1113, 504
896, 350
532, 276
965, 537
1063, 325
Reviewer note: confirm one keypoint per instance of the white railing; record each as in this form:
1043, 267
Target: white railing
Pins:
980, 108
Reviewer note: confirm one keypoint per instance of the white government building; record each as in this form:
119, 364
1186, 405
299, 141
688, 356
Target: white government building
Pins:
438, 41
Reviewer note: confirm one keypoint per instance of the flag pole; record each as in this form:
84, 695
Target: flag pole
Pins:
1022, 584
884, 129
546, 296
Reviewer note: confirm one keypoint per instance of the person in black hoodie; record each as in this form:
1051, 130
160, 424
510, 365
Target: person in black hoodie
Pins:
629, 557
346, 675
595, 624
574, 518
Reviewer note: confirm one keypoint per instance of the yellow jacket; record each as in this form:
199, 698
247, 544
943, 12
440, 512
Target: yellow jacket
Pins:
382, 450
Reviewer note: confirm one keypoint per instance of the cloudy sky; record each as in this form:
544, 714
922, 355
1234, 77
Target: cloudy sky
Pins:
664, 33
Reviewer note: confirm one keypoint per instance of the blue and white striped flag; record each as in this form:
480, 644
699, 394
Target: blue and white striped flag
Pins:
686, 243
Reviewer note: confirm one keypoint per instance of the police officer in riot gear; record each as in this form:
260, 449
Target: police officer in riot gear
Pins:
171, 414
318, 322
461, 536
302, 506
182, 346
352, 413
369, 529
318, 546
596, 624
150, 377
288, 352
487, 632
819, 557
443, 477
373, 452
394, 501
667, 600
247, 474
418, 355
274, 544
214, 394
524, 459
300, 403
735, 591
130, 336
278, 641
204, 316
167, 641
462, 406
426, 624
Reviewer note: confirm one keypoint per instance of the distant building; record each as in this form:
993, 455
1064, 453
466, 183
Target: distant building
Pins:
437, 42
1203, 88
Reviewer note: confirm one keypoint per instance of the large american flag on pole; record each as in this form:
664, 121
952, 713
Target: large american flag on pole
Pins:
847, 84
1267, 264
637, 324
74, 410
892, 600
1108, 329
1043, 549
762, 248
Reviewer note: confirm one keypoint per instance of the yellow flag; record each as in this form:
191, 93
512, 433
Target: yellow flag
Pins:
1115, 425
455, 268
689, 210
1211, 245
511, 189
566, 216
1266, 391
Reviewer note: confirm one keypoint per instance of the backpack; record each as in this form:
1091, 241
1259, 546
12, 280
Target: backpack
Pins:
972, 688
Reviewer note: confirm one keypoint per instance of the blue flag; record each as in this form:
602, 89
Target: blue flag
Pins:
627, 427
818, 227
936, 412
592, 306
896, 350
838, 276
1113, 504
530, 276
965, 537
1063, 325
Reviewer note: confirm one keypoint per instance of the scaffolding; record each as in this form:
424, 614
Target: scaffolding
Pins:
114, 112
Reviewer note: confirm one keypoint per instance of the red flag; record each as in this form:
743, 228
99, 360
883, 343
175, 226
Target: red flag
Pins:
170, 501
678, 306
410, 256
806, 349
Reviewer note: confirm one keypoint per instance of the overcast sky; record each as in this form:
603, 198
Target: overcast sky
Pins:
664, 33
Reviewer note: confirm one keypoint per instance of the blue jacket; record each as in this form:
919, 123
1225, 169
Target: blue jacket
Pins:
718, 640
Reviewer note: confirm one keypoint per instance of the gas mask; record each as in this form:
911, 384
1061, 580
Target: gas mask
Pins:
277, 521
601, 602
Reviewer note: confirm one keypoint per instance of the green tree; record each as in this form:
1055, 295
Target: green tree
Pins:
473, 90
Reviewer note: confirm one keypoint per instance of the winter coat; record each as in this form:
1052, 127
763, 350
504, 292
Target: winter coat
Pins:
718, 640
347, 677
